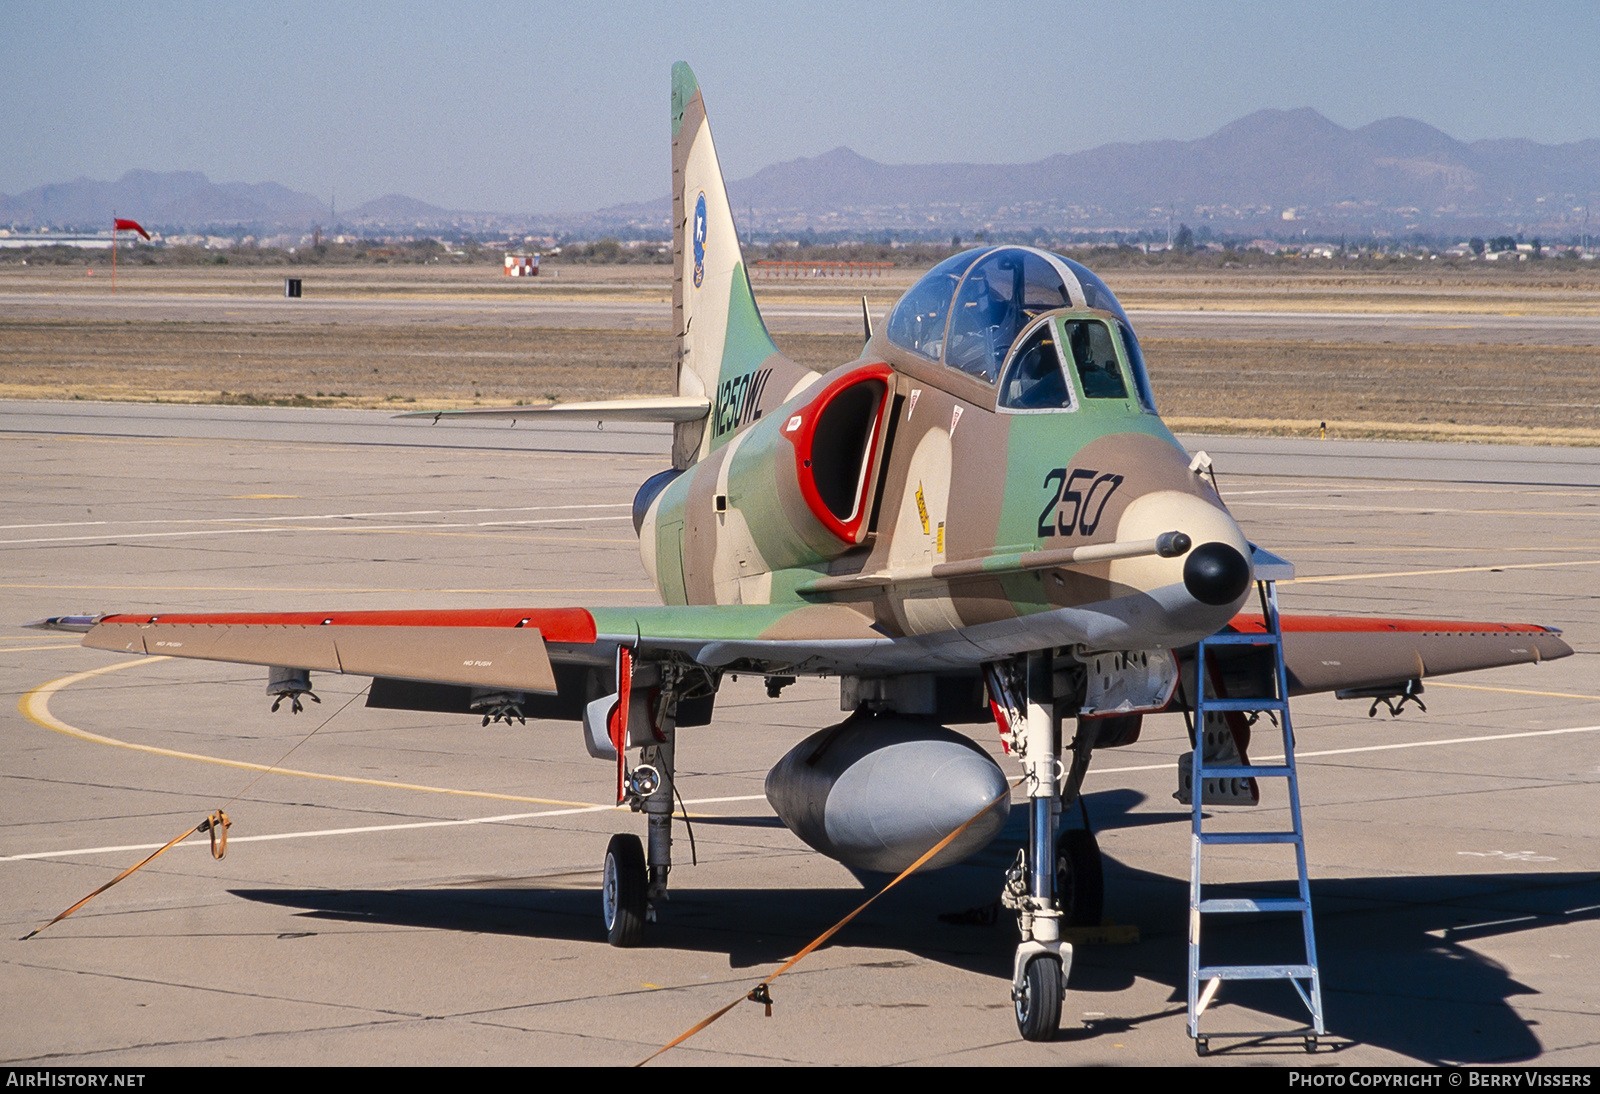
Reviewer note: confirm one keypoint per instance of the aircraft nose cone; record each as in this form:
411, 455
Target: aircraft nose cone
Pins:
1216, 573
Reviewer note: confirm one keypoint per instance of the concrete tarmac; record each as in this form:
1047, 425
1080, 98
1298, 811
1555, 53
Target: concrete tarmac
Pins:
785, 310
416, 888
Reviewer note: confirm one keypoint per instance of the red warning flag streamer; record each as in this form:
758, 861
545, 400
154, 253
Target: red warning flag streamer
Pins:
124, 225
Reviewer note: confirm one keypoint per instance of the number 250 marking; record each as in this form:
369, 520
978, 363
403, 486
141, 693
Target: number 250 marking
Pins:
1058, 519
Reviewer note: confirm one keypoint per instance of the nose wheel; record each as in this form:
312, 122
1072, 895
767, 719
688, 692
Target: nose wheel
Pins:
624, 891
1038, 999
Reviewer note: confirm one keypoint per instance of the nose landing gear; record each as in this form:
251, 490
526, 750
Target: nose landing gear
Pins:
1052, 880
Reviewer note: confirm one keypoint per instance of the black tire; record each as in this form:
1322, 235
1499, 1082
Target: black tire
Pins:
1039, 1005
623, 891
1080, 879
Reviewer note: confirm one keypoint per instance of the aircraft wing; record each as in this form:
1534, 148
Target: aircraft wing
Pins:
512, 648
537, 650
670, 408
1334, 653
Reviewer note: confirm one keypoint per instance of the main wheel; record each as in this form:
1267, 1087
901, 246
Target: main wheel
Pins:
1039, 1005
1080, 879
624, 890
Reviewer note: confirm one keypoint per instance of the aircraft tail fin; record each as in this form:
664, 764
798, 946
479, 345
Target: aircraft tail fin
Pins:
724, 353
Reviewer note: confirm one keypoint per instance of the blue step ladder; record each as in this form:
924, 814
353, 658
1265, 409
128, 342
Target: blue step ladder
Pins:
1204, 980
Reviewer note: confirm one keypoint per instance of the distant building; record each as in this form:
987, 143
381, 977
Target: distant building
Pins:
96, 242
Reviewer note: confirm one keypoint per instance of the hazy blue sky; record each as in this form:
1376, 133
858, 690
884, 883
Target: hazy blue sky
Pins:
563, 107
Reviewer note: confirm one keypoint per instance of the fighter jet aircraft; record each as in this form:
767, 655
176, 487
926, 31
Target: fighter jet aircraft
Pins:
980, 519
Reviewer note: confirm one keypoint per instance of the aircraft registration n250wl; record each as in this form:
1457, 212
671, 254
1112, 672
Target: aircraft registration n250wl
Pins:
981, 521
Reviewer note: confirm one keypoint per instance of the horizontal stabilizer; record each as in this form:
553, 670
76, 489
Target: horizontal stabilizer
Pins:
668, 408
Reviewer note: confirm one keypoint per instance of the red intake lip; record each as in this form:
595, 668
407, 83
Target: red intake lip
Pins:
801, 431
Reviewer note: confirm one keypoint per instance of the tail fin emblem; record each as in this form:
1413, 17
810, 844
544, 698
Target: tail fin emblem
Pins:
700, 239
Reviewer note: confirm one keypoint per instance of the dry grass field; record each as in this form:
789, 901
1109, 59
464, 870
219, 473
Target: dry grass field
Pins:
418, 337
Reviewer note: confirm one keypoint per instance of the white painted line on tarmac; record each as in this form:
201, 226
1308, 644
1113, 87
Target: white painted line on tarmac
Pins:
418, 527
504, 818
1371, 748
1413, 510
321, 516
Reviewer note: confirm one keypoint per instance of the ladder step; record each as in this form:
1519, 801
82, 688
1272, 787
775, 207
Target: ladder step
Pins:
1257, 972
1260, 904
1255, 772
1210, 838
1233, 773
1265, 638
1246, 704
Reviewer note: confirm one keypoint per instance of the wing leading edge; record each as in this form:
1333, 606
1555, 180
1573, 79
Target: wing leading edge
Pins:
526, 649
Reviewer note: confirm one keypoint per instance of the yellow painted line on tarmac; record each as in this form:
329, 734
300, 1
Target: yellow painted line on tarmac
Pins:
29, 649
1516, 691
1451, 570
35, 706
1586, 547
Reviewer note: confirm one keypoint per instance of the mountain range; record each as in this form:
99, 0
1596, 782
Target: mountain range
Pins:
176, 200
1394, 174
1279, 172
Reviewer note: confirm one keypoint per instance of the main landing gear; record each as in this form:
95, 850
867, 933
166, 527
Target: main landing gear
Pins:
1054, 882
1080, 877
634, 880
624, 892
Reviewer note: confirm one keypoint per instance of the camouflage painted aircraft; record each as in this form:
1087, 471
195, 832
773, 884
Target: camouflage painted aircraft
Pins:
980, 519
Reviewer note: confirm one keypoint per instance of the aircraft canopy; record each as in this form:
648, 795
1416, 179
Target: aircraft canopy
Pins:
969, 309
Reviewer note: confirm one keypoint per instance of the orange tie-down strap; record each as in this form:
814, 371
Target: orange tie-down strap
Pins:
760, 994
217, 824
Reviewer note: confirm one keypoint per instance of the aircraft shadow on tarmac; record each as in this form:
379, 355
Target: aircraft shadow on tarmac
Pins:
1399, 970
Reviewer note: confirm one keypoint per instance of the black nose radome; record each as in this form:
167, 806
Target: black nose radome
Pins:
1215, 573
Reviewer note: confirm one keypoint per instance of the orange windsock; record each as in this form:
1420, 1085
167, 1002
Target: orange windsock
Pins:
130, 226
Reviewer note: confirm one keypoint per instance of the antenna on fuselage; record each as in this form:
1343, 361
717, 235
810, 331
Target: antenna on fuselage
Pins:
866, 319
